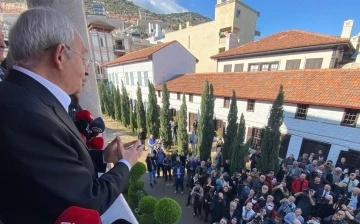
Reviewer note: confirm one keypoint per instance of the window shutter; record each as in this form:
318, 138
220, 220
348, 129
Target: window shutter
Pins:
249, 133
313, 63
293, 64
227, 68
239, 68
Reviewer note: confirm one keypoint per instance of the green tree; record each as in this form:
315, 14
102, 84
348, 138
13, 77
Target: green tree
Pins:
101, 86
165, 129
125, 106
206, 124
152, 115
140, 111
240, 150
117, 105
270, 144
229, 135
183, 137
133, 124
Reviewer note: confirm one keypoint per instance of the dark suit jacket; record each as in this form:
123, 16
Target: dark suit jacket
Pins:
320, 192
182, 172
44, 165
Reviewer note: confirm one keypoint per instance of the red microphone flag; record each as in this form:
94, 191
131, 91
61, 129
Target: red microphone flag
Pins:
77, 215
84, 115
96, 143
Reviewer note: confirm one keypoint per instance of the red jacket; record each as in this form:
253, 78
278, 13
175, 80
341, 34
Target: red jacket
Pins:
295, 185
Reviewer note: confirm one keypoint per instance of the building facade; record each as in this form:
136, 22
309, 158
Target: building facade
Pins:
153, 64
319, 113
204, 40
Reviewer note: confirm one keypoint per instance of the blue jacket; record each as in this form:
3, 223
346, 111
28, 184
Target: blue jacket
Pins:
182, 172
160, 158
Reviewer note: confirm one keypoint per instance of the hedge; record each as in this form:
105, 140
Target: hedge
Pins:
167, 211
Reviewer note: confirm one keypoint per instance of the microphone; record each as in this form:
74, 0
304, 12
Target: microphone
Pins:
83, 128
97, 127
79, 215
96, 143
84, 115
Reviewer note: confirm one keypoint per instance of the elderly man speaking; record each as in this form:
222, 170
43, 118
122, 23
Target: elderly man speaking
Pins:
45, 167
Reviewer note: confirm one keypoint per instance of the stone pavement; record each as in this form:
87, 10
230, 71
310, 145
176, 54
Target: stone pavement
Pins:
161, 189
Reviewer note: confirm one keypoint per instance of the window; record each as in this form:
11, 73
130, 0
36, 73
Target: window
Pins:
256, 137
238, 13
226, 102
159, 93
127, 78
178, 96
139, 78
250, 105
293, 64
239, 68
350, 117
191, 98
274, 67
146, 79
301, 111
227, 68
313, 63
101, 42
132, 78
264, 67
253, 68
222, 49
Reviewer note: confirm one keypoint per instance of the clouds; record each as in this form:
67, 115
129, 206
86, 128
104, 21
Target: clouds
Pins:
161, 6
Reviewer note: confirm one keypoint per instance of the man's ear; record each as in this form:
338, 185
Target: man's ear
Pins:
58, 56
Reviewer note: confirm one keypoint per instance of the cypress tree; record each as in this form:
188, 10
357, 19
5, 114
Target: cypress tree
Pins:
165, 129
140, 111
133, 120
125, 106
240, 150
183, 137
107, 102
270, 144
206, 124
152, 114
100, 84
117, 105
229, 135
112, 101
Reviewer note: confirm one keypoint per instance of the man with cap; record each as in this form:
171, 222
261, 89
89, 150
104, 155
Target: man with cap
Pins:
198, 194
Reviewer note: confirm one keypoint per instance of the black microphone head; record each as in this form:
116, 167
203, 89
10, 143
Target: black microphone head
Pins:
97, 127
83, 128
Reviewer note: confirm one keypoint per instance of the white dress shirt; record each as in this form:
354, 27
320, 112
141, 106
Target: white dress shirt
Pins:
59, 94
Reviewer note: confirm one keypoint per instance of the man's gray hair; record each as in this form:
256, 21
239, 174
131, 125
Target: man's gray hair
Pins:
36, 30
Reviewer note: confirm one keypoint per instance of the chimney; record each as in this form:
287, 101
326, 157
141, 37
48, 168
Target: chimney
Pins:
187, 24
180, 26
347, 28
231, 42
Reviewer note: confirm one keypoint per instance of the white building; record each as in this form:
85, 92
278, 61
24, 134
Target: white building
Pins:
321, 106
154, 64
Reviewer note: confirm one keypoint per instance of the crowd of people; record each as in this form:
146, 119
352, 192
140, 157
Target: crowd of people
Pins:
304, 190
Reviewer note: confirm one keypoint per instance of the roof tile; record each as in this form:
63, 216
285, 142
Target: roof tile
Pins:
326, 87
283, 40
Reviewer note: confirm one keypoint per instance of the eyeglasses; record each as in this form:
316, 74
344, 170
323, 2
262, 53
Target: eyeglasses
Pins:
86, 61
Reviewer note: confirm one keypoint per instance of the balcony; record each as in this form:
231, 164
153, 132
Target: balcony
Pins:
222, 40
120, 48
257, 31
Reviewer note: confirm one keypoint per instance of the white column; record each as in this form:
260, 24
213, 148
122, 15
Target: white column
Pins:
75, 11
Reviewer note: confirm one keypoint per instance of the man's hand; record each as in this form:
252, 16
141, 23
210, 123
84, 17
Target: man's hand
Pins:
130, 151
110, 152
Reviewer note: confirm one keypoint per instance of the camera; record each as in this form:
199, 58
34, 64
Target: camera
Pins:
323, 200
342, 200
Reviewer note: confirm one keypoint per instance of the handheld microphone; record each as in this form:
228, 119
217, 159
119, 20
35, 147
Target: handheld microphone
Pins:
97, 127
96, 143
84, 115
79, 215
83, 128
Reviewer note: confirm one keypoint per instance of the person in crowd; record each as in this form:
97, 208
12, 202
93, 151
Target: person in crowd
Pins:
337, 218
192, 185
232, 212
305, 157
195, 126
289, 218
208, 198
151, 143
190, 169
2, 58
299, 184
160, 156
294, 170
247, 213
306, 202
342, 163
226, 166
280, 192
193, 141
309, 169
218, 160
325, 208
323, 192
255, 156
354, 197
289, 160
287, 206
217, 207
202, 171
142, 136
151, 168
316, 184
349, 183
167, 167
258, 183
179, 173
197, 193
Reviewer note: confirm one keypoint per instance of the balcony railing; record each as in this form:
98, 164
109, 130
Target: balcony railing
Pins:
119, 47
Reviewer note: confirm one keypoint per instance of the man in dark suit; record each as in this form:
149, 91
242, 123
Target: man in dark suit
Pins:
323, 192
45, 167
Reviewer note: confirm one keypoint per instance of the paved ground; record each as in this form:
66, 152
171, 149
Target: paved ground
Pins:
161, 189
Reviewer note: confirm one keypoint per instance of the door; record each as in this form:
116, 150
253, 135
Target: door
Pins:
192, 118
310, 146
284, 145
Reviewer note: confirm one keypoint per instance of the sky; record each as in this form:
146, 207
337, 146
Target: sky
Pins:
321, 16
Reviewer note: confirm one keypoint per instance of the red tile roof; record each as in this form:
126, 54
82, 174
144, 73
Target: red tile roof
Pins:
325, 87
140, 55
284, 40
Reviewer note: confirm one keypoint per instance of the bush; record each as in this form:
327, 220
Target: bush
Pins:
147, 219
137, 171
167, 211
137, 186
147, 205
